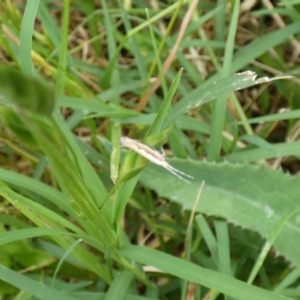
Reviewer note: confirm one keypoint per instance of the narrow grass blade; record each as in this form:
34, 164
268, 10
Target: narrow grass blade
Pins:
211, 279
31, 286
119, 286
164, 109
26, 34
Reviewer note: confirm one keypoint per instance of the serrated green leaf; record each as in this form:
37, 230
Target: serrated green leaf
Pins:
253, 197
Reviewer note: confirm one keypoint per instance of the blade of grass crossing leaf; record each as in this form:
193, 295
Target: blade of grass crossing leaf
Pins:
164, 109
219, 111
269, 243
26, 34
189, 238
223, 246
62, 259
119, 286
194, 273
63, 48
209, 238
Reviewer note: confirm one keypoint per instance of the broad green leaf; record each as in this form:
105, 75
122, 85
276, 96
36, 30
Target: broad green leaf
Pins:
253, 197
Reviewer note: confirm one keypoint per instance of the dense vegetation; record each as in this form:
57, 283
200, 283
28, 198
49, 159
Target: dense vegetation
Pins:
213, 84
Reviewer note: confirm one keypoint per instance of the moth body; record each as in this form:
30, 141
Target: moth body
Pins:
152, 155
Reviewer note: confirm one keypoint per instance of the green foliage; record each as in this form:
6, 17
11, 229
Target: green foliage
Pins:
83, 210
16, 125
246, 198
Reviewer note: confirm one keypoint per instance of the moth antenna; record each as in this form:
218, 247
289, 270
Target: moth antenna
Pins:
182, 173
171, 169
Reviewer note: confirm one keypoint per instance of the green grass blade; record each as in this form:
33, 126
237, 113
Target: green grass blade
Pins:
253, 155
22, 234
31, 286
119, 286
223, 246
63, 49
165, 107
134, 44
26, 36
209, 238
219, 112
269, 243
62, 259
213, 90
262, 45
214, 280
49, 23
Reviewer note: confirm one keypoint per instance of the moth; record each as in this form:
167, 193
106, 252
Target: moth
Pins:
152, 155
